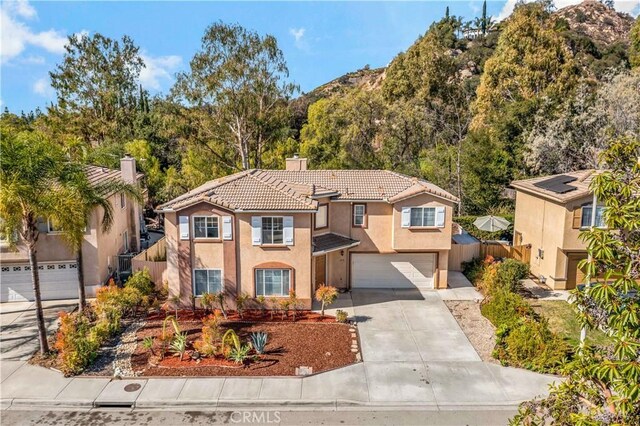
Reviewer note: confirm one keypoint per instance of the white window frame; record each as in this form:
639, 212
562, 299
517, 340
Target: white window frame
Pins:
263, 293
411, 225
599, 208
208, 270
322, 208
193, 225
362, 215
262, 231
123, 200
50, 230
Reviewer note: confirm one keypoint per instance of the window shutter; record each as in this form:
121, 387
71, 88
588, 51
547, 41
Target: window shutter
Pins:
288, 230
577, 218
227, 231
406, 217
256, 230
440, 217
184, 227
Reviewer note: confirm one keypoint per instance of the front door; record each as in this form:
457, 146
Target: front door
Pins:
321, 270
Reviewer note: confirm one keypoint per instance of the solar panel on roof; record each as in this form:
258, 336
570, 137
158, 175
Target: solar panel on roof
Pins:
558, 184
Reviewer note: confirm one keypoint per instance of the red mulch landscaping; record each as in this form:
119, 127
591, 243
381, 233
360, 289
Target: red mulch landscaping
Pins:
311, 341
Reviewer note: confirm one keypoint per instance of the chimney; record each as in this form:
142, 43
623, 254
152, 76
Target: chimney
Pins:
296, 163
128, 169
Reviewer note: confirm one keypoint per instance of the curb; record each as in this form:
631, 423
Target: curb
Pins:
265, 405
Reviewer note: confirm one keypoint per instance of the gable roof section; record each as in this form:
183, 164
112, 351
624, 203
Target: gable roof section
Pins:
98, 175
264, 190
535, 186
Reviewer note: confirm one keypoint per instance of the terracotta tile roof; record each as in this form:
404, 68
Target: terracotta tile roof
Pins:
330, 242
581, 185
297, 190
98, 174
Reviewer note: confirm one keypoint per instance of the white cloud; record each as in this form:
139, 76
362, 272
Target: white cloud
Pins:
33, 60
631, 7
21, 8
43, 88
298, 36
17, 35
158, 68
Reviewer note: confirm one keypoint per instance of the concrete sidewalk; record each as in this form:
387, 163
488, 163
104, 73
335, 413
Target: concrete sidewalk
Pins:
433, 386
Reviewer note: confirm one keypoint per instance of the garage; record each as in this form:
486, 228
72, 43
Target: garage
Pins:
58, 280
398, 270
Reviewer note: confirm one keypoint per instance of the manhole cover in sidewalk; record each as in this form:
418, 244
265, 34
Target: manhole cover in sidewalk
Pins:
132, 387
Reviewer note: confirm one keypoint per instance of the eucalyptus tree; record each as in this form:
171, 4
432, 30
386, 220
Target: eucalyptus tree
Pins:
237, 92
36, 182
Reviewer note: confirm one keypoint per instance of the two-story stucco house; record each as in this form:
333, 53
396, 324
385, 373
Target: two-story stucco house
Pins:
57, 263
550, 213
267, 232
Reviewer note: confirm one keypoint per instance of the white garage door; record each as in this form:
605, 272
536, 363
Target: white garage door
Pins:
414, 270
58, 280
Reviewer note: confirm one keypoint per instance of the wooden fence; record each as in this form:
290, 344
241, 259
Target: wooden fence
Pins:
154, 259
521, 253
462, 253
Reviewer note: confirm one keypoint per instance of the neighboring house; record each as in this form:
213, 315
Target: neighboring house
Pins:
550, 213
56, 261
266, 232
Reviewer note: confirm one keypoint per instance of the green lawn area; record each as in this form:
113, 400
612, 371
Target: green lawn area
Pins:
562, 320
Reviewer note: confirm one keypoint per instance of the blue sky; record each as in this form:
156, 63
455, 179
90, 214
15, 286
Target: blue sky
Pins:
320, 40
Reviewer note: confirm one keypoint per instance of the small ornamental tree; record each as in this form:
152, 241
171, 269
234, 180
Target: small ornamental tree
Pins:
326, 294
602, 386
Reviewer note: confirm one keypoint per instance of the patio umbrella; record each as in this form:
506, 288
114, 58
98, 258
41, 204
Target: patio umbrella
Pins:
491, 223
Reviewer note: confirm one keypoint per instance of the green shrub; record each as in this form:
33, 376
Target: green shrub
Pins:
473, 270
510, 272
506, 307
141, 281
74, 342
529, 343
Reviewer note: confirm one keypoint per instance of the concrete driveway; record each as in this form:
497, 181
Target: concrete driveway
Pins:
18, 328
414, 350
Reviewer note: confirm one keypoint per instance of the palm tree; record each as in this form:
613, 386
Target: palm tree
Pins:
35, 181
92, 197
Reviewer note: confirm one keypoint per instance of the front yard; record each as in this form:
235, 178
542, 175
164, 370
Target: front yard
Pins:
317, 343
563, 321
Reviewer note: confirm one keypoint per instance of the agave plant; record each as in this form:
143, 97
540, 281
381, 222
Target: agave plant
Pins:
239, 354
179, 344
147, 343
259, 341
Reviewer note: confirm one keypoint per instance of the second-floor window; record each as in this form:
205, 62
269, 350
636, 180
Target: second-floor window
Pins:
206, 227
586, 216
52, 226
272, 230
322, 217
123, 201
359, 214
423, 216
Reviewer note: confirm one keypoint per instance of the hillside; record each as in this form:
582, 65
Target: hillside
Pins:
590, 18
595, 20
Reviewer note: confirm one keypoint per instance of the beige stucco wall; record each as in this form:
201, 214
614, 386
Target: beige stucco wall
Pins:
238, 257
547, 225
98, 248
428, 239
298, 255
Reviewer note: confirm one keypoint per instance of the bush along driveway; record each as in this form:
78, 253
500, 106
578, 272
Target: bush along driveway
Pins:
414, 354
